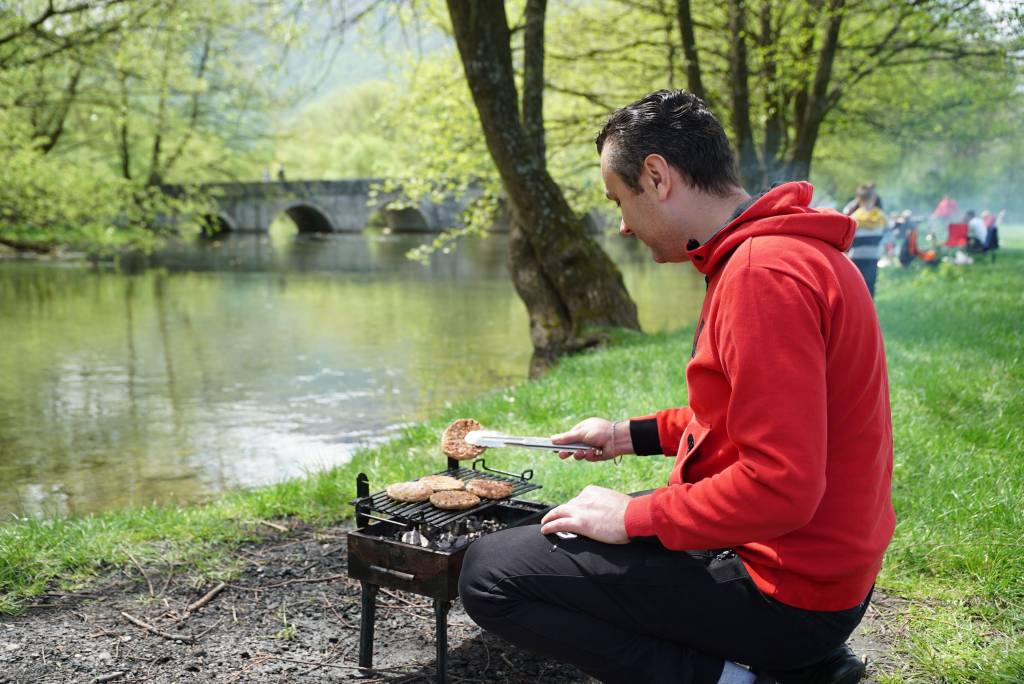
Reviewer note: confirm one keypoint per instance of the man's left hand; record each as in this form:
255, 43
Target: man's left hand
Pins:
596, 512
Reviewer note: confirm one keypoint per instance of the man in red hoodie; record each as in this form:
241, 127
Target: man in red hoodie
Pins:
764, 546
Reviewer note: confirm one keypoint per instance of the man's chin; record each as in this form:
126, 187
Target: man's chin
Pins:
673, 259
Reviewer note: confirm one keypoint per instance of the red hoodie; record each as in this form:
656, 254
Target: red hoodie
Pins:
785, 451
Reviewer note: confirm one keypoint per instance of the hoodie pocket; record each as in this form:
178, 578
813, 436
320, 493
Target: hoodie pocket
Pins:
689, 447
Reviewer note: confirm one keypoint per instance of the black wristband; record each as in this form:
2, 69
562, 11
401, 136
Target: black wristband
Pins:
644, 435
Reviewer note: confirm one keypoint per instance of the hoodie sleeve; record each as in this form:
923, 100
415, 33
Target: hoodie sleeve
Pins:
769, 334
659, 433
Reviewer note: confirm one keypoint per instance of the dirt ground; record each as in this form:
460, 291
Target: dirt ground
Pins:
291, 615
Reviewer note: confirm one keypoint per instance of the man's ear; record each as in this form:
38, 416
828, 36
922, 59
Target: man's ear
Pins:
657, 169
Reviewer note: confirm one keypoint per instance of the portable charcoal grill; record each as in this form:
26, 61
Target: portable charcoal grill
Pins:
418, 548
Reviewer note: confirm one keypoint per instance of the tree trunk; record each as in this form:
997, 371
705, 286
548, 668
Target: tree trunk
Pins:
155, 176
55, 126
774, 125
122, 132
550, 322
693, 80
816, 104
570, 283
533, 76
193, 117
739, 77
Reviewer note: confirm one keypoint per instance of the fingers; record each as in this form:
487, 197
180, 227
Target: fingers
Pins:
560, 525
554, 514
566, 437
588, 455
576, 434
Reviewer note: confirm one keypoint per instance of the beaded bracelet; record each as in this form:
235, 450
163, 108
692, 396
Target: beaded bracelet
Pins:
618, 458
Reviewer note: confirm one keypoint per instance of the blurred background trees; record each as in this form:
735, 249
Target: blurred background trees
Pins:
103, 100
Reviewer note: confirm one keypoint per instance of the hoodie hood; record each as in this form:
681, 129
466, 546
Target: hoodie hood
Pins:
783, 210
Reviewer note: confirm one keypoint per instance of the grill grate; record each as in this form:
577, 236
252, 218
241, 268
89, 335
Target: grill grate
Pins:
424, 513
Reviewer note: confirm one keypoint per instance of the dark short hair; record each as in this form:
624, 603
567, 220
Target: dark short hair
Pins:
677, 125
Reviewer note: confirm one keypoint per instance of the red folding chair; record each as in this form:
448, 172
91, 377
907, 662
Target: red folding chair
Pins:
957, 235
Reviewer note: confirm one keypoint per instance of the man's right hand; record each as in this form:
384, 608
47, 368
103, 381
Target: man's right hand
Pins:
597, 432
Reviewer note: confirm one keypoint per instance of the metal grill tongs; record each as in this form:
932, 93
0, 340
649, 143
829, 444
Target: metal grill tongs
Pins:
486, 438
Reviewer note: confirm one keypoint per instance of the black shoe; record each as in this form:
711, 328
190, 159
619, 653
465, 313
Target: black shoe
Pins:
841, 666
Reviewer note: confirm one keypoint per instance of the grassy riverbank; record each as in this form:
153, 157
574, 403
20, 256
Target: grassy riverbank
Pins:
954, 339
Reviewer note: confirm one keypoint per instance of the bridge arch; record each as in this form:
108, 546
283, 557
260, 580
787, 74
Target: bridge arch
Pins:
309, 218
400, 220
217, 224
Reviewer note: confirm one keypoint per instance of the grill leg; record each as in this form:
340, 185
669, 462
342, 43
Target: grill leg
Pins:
441, 638
366, 620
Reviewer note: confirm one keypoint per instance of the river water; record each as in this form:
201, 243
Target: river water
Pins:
256, 358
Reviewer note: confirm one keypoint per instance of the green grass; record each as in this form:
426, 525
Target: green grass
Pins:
955, 341
955, 345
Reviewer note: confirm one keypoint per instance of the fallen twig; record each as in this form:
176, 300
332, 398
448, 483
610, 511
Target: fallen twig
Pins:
150, 628
406, 601
255, 590
214, 626
99, 679
400, 668
139, 566
256, 662
167, 580
327, 659
106, 633
405, 609
337, 615
279, 528
303, 580
206, 598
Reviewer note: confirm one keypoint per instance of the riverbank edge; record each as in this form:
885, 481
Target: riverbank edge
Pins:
963, 620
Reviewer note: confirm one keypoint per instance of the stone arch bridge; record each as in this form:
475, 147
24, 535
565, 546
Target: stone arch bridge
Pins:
324, 207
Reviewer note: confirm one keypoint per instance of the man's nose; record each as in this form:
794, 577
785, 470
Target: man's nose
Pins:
623, 230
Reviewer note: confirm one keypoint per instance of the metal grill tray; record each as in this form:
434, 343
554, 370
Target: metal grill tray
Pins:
425, 513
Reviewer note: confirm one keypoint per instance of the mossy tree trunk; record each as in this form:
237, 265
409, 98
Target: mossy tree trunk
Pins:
567, 282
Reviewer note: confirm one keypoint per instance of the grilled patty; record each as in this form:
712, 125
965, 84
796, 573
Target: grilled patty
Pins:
489, 489
409, 492
453, 440
454, 500
443, 483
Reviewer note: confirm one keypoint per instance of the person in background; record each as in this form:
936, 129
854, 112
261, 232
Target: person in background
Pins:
992, 222
855, 203
871, 227
905, 229
977, 232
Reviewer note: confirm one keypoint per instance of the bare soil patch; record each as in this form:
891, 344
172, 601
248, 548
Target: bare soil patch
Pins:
291, 615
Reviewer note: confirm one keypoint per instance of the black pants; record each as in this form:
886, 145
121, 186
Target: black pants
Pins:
638, 612
869, 269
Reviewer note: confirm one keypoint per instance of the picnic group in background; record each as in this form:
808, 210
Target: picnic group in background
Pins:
883, 240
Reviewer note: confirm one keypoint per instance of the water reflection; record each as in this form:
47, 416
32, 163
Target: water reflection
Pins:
247, 360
